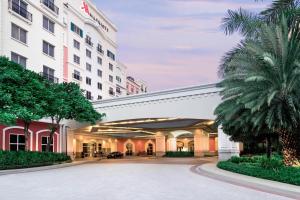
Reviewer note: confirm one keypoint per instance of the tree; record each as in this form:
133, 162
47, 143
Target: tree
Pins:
265, 85
65, 101
248, 24
22, 96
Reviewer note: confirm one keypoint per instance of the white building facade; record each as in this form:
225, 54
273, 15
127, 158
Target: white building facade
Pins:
64, 40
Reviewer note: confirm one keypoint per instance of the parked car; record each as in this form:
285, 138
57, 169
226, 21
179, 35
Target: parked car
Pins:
115, 155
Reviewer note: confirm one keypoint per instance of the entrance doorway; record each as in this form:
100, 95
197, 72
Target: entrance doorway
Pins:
150, 149
129, 149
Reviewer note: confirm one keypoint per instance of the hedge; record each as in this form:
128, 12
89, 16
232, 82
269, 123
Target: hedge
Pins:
261, 167
26, 159
179, 154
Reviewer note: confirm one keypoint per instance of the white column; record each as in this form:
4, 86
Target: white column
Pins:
71, 143
227, 148
160, 144
172, 144
201, 143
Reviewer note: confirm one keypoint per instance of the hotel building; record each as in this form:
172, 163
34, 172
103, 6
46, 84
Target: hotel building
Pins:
63, 40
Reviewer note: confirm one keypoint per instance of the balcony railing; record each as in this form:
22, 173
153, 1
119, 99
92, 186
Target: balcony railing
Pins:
99, 49
19, 10
51, 6
77, 77
49, 77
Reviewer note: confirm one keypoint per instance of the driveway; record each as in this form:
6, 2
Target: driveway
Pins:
123, 180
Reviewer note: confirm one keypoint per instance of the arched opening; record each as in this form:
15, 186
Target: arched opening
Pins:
150, 149
129, 149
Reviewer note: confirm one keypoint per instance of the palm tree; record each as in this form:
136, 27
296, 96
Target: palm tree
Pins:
264, 86
248, 23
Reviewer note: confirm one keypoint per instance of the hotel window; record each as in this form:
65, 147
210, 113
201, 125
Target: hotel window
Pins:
20, 7
99, 97
88, 81
48, 73
111, 91
76, 59
48, 24
118, 79
99, 86
111, 78
50, 4
99, 60
88, 40
45, 142
48, 49
88, 67
99, 49
89, 95
111, 55
76, 75
76, 29
76, 44
111, 67
18, 33
21, 60
88, 53
17, 142
99, 72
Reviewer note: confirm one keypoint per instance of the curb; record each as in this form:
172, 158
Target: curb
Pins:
43, 168
210, 170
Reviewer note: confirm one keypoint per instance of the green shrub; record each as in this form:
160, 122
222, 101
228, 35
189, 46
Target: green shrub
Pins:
25, 159
262, 167
179, 154
272, 163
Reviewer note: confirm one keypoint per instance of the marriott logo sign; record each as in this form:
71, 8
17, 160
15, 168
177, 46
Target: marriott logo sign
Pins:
86, 9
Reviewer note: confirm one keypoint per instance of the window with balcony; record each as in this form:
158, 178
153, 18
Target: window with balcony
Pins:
48, 49
76, 29
18, 33
20, 7
48, 73
51, 5
48, 24
111, 67
76, 75
17, 58
88, 40
88, 81
99, 49
88, 67
111, 55
76, 44
88, 53
76, 59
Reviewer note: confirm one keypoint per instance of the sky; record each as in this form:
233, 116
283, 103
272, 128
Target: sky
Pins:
172, 43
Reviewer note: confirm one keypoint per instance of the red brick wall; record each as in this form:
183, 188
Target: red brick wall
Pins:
38, 129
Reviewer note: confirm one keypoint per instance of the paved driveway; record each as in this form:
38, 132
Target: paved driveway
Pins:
122, 181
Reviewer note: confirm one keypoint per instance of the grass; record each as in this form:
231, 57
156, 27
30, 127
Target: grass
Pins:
261, 167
